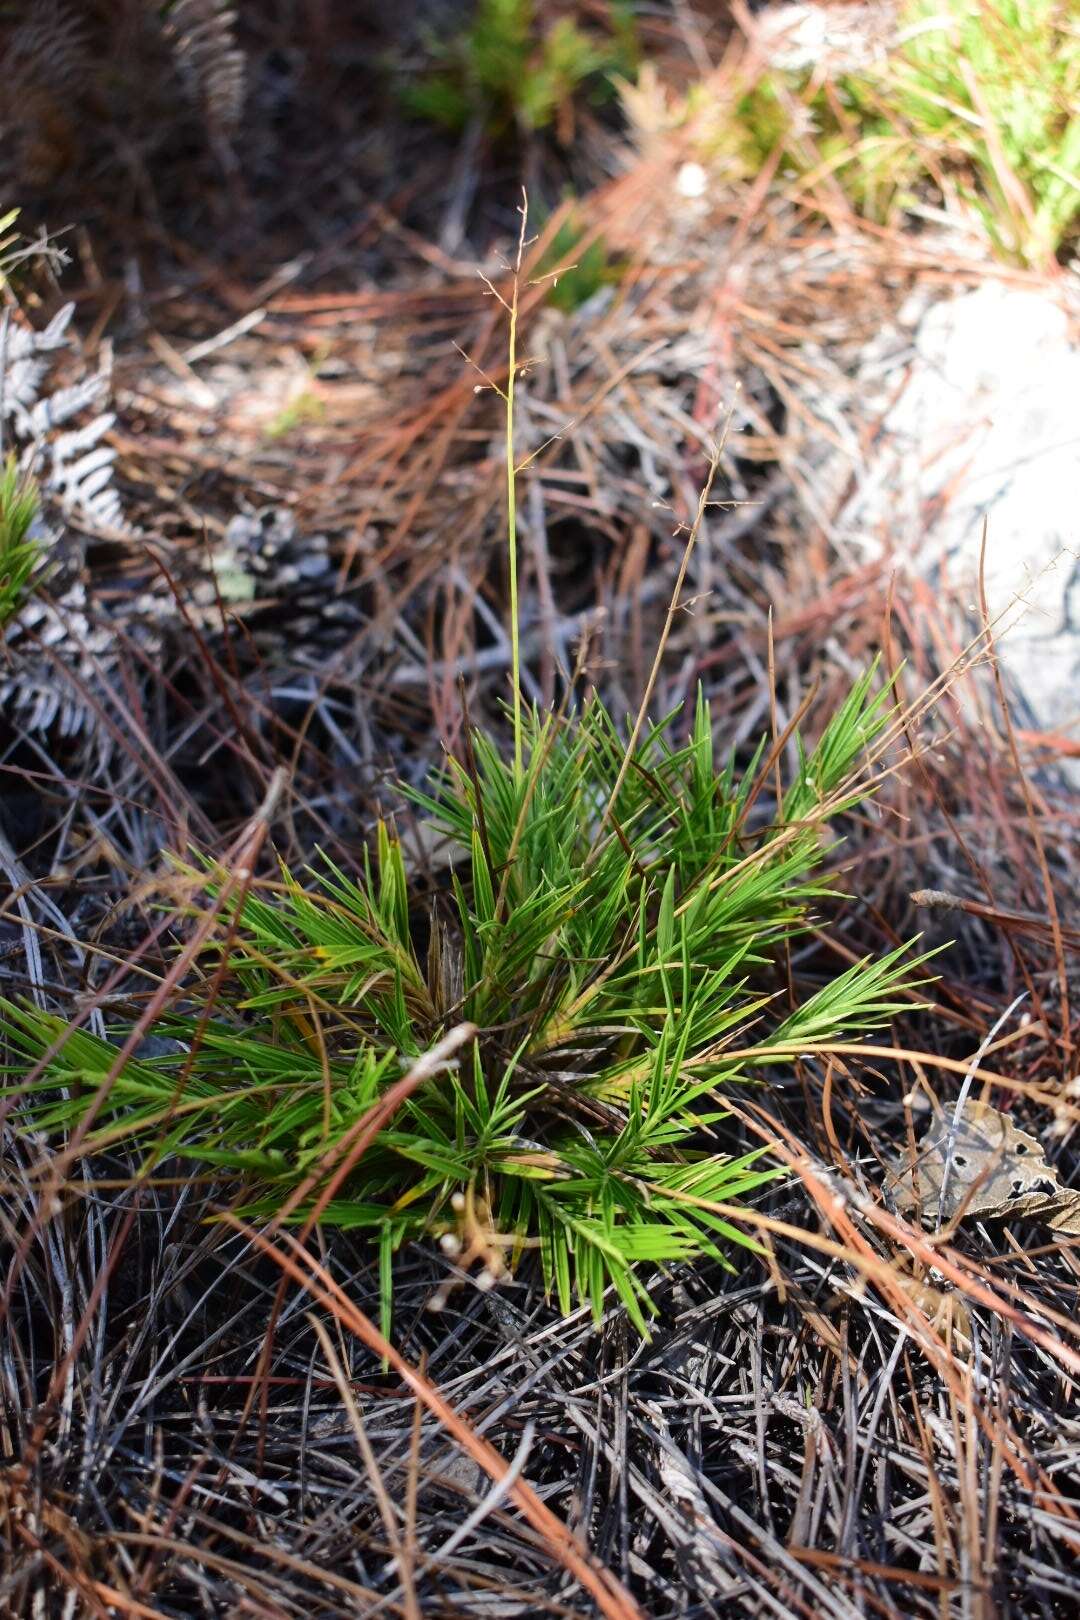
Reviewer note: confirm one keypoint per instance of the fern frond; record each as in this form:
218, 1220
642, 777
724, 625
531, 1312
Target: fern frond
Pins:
203, 38
47, 46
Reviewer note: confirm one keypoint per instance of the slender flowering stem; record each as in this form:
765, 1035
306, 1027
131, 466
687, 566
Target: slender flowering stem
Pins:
511, 502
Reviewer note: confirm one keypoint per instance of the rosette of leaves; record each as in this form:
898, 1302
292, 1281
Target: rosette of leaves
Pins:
614, 929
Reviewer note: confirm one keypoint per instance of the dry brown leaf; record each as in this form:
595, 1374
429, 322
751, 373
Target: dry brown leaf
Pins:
982, 1164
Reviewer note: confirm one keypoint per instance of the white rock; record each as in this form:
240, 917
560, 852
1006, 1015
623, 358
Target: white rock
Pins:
985, 432
844, 37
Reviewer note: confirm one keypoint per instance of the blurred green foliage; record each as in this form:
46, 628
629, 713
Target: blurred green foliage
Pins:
510, 68
979, 102
588, 269
992, 87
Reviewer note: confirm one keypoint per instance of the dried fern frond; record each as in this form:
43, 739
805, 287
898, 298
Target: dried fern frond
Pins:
74, 468
66, 640
202, 34
61, 651
48, 44
54, 632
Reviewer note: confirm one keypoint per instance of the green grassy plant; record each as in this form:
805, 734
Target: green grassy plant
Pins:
508, 69
991, 88
977, 104
619, 971
20, 557
610, 954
